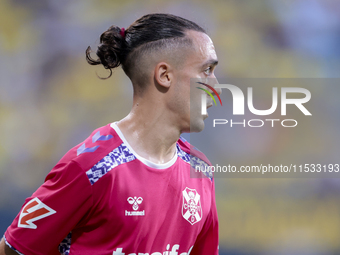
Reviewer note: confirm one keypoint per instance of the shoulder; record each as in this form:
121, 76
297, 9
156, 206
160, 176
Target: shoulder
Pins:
191, 150
100, 143
197, 159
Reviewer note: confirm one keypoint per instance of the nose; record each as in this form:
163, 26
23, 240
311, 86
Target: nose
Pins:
218, 90
214, 83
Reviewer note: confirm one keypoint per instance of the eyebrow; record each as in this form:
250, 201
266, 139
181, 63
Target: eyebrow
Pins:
212, 62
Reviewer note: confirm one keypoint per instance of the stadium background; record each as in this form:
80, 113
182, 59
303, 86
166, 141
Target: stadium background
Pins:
51, 99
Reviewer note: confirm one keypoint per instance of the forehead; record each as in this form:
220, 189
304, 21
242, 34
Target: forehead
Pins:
204, 49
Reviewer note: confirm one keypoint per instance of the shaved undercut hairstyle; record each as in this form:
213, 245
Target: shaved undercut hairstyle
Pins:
148, 34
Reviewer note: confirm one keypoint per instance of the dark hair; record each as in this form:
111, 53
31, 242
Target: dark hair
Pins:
116, 47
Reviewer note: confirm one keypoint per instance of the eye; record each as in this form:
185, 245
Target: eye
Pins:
208, 71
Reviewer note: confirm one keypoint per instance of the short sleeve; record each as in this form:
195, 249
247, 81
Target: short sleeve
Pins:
49, 215
207, 240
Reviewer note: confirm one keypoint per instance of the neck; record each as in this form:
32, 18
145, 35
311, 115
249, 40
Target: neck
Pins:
150, 130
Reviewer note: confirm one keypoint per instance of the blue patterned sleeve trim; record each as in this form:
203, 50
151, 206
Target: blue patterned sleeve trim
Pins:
65, 246
195, 162
10, 246
118, 156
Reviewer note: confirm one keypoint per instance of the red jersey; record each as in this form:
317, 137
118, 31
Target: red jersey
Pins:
103, 198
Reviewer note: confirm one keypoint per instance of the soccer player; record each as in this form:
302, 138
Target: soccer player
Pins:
127, 190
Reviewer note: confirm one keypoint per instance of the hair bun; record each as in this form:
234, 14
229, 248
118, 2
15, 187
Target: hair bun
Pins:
111, 51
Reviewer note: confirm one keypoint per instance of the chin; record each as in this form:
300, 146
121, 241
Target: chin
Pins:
196, 126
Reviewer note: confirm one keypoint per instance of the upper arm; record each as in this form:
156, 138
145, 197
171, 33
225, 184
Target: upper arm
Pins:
207, 240
49, 215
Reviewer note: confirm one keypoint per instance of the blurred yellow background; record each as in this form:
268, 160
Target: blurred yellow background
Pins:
51, 99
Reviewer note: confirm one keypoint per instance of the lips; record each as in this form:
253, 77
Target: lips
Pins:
209, 103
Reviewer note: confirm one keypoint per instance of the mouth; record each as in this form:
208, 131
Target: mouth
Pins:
209, 103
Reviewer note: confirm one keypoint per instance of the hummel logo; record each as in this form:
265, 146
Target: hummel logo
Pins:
96, 137
135, 202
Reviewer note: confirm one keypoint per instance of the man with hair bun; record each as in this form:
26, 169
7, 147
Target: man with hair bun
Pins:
126, 189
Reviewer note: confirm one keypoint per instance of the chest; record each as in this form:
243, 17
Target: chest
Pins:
165, 205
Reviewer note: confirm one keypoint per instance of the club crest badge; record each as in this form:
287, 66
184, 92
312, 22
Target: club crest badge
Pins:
191, 208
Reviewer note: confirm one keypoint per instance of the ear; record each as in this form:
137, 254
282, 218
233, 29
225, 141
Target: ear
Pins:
163, 74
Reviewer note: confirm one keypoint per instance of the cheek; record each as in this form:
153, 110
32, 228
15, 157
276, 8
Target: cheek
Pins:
187, 96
